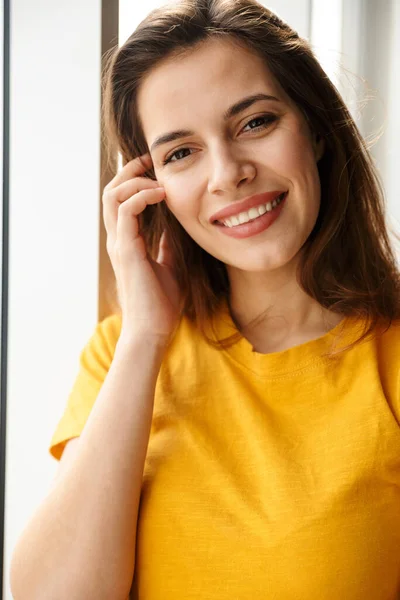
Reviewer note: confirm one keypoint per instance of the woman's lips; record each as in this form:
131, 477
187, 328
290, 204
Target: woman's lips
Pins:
254, 227
245, 205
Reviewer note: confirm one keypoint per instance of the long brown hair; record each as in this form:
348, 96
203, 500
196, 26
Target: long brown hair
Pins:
347, 264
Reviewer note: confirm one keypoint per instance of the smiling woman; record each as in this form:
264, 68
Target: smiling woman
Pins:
235, 111
239, 413
243, 146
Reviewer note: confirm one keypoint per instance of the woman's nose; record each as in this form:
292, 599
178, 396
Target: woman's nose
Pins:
228, 172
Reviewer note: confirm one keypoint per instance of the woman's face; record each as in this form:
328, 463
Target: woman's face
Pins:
217, 138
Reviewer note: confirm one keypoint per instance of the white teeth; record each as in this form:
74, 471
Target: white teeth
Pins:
253, 213
262, 209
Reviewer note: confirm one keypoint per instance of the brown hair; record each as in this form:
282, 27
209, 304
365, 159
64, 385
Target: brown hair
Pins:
348, 265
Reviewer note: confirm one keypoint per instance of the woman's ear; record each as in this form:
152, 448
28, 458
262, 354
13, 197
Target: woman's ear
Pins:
319, 146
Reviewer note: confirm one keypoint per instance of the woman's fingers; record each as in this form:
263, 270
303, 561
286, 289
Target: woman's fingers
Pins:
127, 227
114, 197
136, 167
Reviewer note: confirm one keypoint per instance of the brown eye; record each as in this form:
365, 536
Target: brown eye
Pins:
261, 122
179, 155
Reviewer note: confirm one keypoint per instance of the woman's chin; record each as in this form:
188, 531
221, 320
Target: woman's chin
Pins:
259, 263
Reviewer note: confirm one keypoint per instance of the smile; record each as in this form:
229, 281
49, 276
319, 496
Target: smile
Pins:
254, 221
253, 213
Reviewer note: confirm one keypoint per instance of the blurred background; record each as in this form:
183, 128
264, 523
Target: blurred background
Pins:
58, 268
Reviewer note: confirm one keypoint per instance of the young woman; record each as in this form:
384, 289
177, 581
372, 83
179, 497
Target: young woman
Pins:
233, 431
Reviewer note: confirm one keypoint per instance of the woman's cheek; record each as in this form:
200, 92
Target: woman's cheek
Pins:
176, 202
182, 199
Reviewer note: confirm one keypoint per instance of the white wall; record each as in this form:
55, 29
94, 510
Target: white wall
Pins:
54, 191
380, 65
1, 138
391, 174
296, 14
358, 44
326, 35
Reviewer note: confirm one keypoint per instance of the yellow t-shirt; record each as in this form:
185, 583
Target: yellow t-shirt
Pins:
270, 476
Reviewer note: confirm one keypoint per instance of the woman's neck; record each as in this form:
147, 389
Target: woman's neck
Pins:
288, 315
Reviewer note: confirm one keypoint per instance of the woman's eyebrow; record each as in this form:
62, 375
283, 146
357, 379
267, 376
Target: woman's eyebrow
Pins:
170, 137
238, 107
232, 111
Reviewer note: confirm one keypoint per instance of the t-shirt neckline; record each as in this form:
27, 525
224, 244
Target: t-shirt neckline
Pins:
292, 361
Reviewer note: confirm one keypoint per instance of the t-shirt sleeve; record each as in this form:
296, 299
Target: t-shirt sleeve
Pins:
94, 363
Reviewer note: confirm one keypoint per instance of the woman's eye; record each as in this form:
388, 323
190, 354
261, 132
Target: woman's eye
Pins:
178, 155
260, 122
257, 123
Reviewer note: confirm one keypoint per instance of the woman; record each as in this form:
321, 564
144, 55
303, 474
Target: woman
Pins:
236, 422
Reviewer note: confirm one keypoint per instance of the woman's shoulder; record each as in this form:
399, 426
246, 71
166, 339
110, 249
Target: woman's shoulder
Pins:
357, 330
387, 345
389, 334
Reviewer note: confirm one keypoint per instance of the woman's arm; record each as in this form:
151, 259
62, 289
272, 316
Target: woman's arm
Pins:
81, 541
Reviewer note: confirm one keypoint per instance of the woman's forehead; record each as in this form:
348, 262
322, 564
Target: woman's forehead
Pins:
213, 76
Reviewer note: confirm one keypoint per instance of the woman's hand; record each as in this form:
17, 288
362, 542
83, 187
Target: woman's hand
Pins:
147, 289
